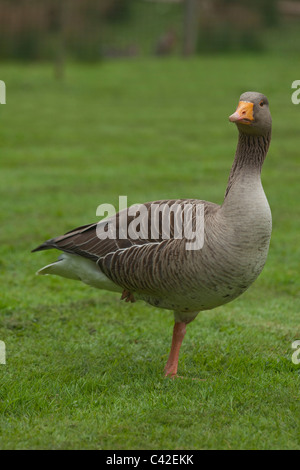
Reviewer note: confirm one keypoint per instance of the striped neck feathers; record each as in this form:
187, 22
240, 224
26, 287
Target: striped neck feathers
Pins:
249, 157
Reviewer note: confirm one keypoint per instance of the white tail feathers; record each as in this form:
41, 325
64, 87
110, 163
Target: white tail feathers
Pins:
59, 268
81, 269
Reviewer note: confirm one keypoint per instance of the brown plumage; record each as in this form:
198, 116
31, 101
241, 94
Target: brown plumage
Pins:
159, 268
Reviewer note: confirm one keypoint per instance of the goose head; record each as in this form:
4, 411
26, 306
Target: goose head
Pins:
252, 115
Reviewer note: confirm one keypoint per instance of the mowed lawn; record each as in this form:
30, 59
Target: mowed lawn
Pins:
84, 370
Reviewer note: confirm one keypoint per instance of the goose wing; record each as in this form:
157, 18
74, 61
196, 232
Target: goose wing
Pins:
132, 260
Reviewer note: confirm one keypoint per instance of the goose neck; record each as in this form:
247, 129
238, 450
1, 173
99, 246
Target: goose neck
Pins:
249, 157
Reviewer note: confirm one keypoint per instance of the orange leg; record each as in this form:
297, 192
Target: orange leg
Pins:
178, 335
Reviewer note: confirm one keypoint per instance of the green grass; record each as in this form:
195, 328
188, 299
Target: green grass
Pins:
84, 370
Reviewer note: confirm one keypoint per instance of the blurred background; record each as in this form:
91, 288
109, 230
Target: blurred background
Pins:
94, 30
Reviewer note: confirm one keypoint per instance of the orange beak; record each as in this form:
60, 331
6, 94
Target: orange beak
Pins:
243, 114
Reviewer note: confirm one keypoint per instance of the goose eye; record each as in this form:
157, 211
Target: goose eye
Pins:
261, 103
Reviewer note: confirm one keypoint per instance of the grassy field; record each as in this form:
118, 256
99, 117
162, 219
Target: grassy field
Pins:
84, 370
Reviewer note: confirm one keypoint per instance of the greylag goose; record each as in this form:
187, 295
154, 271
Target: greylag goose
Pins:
158, 267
